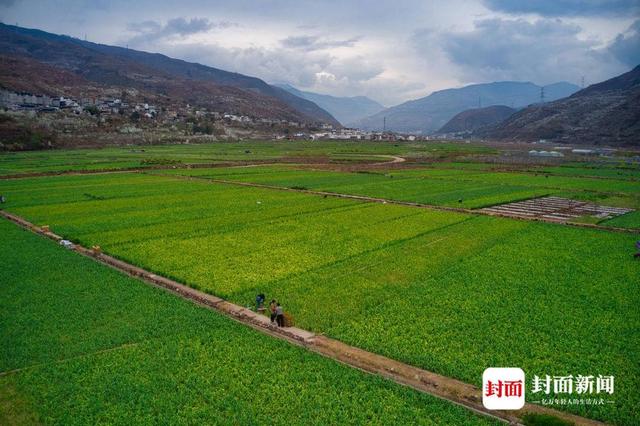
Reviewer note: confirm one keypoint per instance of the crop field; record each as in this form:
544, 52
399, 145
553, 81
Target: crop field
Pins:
612, 169
83, 344
444, 291
470, 188
12, 163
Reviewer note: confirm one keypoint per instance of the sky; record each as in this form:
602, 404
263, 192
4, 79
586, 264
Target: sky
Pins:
390, 51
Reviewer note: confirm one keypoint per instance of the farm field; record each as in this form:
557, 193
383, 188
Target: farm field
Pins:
470, 188
84, 344
113, 158
611, 169
444, 291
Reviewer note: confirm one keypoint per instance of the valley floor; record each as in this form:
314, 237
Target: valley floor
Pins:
450, 292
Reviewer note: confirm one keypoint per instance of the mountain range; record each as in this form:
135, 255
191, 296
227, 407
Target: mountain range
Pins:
474, 119
98, 67
427, 115
607, 113
346, 110
43, 63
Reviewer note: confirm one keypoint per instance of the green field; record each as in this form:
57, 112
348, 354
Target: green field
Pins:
83, 344
452, 293
438, 185
12, 163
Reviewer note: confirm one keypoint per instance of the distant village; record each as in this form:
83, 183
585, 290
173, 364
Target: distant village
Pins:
142, 112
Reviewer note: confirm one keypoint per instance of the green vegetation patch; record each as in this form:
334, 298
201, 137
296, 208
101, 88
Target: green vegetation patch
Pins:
84, 344
444, 291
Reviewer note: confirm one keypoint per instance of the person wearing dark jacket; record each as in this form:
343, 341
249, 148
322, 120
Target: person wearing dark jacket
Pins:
260, 301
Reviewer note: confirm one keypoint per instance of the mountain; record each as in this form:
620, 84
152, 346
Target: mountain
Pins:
606, 113
428, 114
474, 119
157, 75
346, 110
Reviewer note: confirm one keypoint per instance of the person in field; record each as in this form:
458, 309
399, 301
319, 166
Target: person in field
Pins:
637, 255
272, 309
260, 302
279, 315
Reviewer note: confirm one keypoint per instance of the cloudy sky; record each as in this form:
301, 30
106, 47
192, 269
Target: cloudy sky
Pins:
391, 51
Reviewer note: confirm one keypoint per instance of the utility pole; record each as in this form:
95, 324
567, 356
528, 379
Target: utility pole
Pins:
542, 95
384, 124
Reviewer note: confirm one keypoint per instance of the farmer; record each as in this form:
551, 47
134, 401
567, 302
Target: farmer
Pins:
637, 255
260, 302
2, 199
279, 315
272, 309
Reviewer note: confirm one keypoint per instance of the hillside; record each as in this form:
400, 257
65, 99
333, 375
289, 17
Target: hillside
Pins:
606, 113
154, 74
347, 110
474, 119
428, 114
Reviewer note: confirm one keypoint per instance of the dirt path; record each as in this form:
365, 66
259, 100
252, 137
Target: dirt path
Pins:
443, 387
395, 159
484, 212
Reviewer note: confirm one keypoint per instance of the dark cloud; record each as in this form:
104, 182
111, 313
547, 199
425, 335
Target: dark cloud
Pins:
310, 43
152, 30
542, 51
566, 7
626, 46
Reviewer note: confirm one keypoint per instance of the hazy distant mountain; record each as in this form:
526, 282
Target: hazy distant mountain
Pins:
474, 119
606, 113
430, 113
346, 110
155, 74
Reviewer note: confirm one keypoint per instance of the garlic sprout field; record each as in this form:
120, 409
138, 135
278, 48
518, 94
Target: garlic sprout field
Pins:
449, 292
111, 158
444, 184
84, 344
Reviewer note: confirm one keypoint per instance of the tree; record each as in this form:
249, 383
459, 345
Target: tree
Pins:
92, 109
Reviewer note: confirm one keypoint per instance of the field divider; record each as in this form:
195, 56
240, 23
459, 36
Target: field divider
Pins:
365, 198
447, 388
